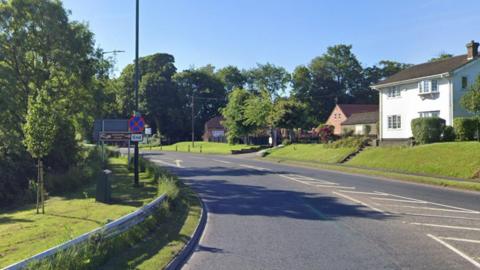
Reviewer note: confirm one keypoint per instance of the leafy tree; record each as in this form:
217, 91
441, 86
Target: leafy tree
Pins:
289, 114
471, 102
231, 77
441, 56
234, 115
40, 130
268, 77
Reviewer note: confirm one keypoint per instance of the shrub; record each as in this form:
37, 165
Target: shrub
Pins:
448, 134
465, 128
286, 142
350, 142
427, 129
347, 132
326, 133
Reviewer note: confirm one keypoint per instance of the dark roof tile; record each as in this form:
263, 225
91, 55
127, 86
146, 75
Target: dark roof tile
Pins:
362, 118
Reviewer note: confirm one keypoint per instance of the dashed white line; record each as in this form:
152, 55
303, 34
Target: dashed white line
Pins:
253, 167
396, 200
222, 161
432, 215
429, 208
367, 193
463, 255
446, 226
165, 163
360, 202
333, 186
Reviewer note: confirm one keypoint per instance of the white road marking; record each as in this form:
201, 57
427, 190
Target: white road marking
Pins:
446, 226
461, 240
463, 255
253, 167
332, 186
431, 215
222, 161
164, 163
178, 161
396, 200
367, 193
428, 208
314, 183
360, 202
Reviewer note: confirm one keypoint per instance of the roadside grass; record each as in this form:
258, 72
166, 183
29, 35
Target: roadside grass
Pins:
167, 239
204, 147
453, 159
24, 233
310, 153
466, 185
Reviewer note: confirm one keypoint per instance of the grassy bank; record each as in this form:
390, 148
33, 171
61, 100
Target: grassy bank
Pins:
455, 159
24, 233
202, 147
309, 152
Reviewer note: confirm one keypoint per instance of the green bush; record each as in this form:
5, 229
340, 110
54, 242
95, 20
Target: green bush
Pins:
348, 142
427, 129
448, 134
465, 128
286, 142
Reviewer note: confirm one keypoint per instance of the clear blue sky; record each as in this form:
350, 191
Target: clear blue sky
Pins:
285, 33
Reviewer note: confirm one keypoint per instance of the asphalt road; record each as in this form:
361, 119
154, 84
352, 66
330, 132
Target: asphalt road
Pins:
263, 215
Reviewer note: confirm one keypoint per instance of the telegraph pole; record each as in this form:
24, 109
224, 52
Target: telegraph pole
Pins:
193, 121
135, 155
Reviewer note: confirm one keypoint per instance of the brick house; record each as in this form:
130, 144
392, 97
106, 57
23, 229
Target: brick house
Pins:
342, 112
214, 130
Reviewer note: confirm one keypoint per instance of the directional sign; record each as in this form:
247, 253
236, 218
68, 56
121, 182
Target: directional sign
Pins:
114, 136
136, 124
137, 137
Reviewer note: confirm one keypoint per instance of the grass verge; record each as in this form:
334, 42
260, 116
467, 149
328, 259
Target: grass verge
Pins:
310, 153
24, 233
466, 185
454, 159
202, 147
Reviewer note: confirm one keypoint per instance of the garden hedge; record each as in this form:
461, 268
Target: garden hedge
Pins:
427, 129
465, 128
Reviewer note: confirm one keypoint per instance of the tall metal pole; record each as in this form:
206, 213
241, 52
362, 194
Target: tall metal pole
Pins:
135, 157
193, 121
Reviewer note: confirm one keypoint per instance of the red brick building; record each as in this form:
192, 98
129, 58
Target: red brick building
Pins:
214, 130
342, 112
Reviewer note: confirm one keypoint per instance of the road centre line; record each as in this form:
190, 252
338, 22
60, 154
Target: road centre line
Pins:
329, 186
427, 208
432, 215
367, 193
222, 161
461, 240
314, 183
446, 226
463, 255
403, 197
253, 167
360, 202
396, 200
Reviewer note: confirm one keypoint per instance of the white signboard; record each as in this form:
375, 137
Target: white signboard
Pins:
148, 131
136, 138
218, 133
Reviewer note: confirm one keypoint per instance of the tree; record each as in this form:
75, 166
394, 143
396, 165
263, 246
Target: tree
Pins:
40, 130
441, 56
231, 77
234, 115
268, 77
289, 114
471, 102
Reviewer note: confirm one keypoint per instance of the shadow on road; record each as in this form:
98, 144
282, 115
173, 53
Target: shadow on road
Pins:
228, 197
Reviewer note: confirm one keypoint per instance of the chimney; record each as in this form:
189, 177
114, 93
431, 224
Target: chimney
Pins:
472, 50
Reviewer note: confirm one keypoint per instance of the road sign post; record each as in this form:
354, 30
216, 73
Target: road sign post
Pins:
136, 125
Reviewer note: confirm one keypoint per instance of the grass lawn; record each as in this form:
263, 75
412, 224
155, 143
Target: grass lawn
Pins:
455, 159
169, 237
24, 233
205, 147
309, 152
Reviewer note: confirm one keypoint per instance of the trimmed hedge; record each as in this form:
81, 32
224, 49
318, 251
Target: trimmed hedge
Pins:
427, 129
465, 128
449, 134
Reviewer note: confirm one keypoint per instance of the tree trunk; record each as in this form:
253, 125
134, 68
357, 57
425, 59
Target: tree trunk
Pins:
42, 184
38, 186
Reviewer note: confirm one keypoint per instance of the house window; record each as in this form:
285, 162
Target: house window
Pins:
393, 92
464, 82
394, 121
434, 85
429, 114
428, 86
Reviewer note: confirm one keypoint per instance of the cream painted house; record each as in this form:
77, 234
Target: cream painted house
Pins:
428, 89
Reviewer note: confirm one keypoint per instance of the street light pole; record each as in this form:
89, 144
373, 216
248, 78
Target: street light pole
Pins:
135, 155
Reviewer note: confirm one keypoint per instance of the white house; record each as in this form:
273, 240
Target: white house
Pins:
428, 89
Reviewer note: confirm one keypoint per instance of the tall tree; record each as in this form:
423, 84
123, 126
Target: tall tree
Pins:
268, 77
441, 56
234, 115
231, 77
471, 102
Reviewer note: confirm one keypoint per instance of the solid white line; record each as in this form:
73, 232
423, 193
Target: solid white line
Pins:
406, 198
178, 163
314, 183
395, 200
438, 204
461, 240
328, 186
164, 163
222, 161
463, 255
253, 167
360, 202
431, 215
446, 226
427, 208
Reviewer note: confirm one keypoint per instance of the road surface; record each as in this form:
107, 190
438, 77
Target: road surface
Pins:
263, 215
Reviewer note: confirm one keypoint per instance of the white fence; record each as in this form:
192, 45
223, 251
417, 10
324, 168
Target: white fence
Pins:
111, 229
